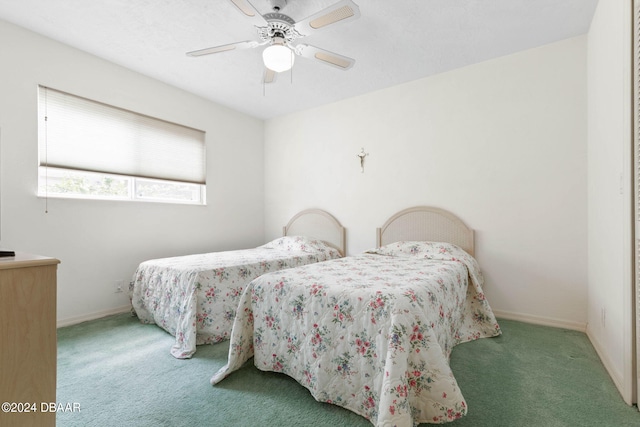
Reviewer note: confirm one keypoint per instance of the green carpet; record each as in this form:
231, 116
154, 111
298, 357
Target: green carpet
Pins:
120, 372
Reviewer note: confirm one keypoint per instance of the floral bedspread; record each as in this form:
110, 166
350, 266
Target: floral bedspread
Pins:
372, 333
195, 297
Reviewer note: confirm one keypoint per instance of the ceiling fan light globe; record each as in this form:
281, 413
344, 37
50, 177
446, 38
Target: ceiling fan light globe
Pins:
278, 58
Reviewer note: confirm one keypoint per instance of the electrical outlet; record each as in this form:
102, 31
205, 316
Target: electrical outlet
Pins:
621, 189
118, 286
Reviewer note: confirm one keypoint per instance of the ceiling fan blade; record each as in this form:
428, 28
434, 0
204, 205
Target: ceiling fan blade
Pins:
324, 56
250, 12
269, 76
223, 48
343, 11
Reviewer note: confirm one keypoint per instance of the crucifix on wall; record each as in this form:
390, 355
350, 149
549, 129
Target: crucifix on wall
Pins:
362, 155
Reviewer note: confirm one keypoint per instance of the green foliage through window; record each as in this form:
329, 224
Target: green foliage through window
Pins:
107, 186
56, 182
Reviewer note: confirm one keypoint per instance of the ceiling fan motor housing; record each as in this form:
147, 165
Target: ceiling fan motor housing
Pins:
280, 25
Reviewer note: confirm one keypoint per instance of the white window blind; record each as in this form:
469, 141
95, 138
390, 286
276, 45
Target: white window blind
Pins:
86, 135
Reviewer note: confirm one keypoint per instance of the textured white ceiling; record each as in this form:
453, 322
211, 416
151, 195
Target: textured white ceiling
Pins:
392, 42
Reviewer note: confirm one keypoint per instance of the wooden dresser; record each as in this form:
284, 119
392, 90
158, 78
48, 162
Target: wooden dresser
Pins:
28, 347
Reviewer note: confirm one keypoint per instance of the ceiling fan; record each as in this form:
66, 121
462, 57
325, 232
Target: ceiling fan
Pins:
279, 31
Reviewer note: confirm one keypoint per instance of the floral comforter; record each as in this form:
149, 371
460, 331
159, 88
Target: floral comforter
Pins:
372, 333
195, 297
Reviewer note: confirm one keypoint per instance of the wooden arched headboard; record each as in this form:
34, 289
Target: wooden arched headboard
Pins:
317, 224
427, 224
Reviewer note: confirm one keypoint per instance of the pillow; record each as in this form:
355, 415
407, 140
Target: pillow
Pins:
429, 250
441, 251
299, 243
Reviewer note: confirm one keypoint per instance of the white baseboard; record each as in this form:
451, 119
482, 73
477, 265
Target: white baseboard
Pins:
539, 320
91, 316
615, 375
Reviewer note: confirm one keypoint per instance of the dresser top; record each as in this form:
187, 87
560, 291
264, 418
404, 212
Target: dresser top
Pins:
23, 260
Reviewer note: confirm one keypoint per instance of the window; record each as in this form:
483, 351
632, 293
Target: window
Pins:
92, 150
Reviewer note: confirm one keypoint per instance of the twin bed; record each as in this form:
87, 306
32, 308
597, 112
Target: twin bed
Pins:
372, 332
194, 297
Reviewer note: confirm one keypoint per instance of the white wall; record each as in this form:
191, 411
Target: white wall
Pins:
100, 242
609, 191
502, 144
